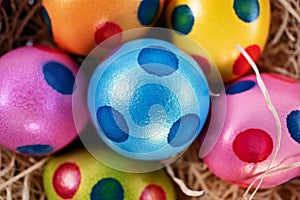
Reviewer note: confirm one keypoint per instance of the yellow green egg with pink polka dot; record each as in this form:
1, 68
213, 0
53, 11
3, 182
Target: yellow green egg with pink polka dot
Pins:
79, 176
218, 26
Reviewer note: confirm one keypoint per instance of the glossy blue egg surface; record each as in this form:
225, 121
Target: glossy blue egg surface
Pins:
148, 100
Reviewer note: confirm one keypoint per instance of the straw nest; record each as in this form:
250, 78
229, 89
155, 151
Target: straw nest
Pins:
21, 177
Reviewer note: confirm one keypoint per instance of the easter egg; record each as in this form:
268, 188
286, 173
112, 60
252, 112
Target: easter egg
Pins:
36, 87
148, 100
78, 26
248, 140
219, 26
79, 176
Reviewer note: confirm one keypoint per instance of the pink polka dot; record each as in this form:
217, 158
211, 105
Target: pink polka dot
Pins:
203, 62
241, 66
283, 78
153, 192
66, 180
105, 31
253, 145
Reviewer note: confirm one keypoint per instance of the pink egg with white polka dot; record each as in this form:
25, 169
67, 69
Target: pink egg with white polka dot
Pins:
249, 136
36, 87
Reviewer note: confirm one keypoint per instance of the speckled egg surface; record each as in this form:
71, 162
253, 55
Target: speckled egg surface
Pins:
148, 100
78, 26
219, 26
79, 176
36, 87
248, 140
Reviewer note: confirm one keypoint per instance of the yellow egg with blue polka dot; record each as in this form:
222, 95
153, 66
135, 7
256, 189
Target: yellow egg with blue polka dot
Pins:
77, 175
219, 26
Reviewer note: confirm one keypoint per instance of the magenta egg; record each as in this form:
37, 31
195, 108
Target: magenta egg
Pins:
36, 88
248, 140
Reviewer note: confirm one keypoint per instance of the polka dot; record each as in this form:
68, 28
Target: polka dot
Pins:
47, 20
203, 63
149, 95
113, 124
239, 87
293, 124
247, 11
148, 11
107, 30
153, 192
35, 149
59, 77
66, 180
107, 189
283, 78
158, 61
241, 65
182, 19
184, 130
253, 145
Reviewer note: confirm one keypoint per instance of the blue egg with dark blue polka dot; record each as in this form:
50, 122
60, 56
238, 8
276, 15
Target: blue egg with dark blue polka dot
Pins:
148, 100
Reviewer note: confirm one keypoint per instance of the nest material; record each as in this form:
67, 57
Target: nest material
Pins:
21, 177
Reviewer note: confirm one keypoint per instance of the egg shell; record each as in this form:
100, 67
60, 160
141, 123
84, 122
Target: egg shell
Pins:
77, 175
248, 140
36, 87
78, 26
148, 100
218, 26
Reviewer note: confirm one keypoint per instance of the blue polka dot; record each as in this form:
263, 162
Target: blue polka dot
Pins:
293, 125
182, 19
35, 149
240, 87
107, 189
149, 95
47, 20
148, 11
248, 11
157, 61
184, 130
59, 77
113, 124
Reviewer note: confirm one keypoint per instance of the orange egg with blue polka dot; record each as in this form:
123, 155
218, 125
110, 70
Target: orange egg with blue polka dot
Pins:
78, 26
219, 26
77, 175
